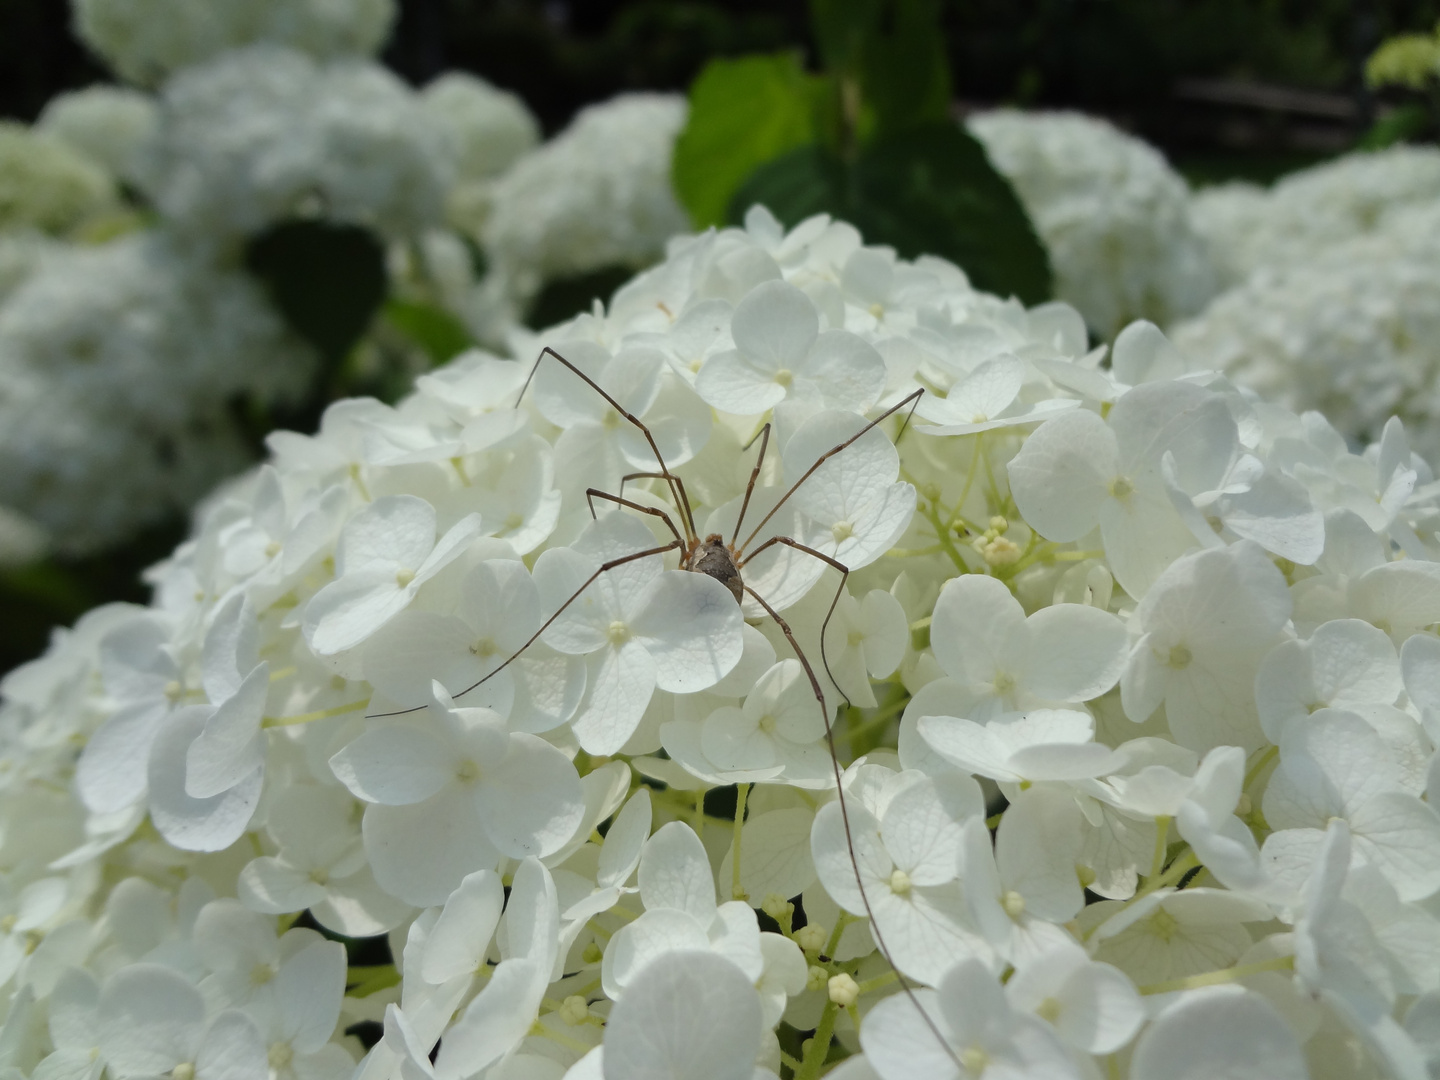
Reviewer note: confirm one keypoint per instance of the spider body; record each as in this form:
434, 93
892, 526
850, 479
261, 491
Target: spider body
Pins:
717, 559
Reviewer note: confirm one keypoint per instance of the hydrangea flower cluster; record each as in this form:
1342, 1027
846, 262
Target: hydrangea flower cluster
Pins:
118, 365
121, 366
1134, 680
1113, 214
596, 196
1354, 331
1334, 298
145, 41
1303, 215
45, 184
489, 129
264, 134
109, 123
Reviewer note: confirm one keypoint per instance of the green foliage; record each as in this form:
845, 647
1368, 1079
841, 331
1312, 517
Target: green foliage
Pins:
327, 280
441, 335
890, 55
870, 140
1405, 124
922, 190
562, 298
743, 113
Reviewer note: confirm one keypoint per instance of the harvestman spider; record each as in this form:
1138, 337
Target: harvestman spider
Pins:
724, 561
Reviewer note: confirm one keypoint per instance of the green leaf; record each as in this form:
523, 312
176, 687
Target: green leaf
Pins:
743, 113
564, 298
924, 191
893, 53
1402, 125
439, 333
328, 280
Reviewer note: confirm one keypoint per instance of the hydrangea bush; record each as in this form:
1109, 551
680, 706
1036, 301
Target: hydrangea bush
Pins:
596, 196
1133, 681
1114, 216
134, 370
1248, 227
1334, 297
146, 41
1353, 331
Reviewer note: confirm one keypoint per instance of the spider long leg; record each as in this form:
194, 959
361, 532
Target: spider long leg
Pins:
911, 399
684, 504
591, 494
677, 492
849, 837
844, 576
764, 437
674, 545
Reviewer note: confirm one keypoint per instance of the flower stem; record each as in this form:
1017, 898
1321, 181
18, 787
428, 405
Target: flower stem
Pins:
737, 892
1162, 830
1178, 869
1224, 975
310, 717
819, 1045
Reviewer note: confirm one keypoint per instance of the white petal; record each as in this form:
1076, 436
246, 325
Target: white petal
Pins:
530, 803
457, 943
232, 1050
308, 990
832, 854
276, 888
692, 1015
675, 873
775, 325
396, 765
1062, 474
111, 772
1218, 1031
495, 1022
195, 824
774, 854
847, 370
421, 853
393, 531
1079, 652
232, 746
657, 933
732, 384
921, 835
149, 1019
625, 841
690, 625
621, 682
899, 1043
346, 612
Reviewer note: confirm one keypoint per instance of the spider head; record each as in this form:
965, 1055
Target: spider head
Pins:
713, 557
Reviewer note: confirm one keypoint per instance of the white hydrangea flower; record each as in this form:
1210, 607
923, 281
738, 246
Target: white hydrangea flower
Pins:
1307, 213
145, 43
595, 196
47, 184
265, 133
379, 685
115, 366
108, 123
1111, 211
1349, 330
489, 128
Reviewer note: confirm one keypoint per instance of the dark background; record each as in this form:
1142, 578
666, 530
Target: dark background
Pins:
1225, 87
